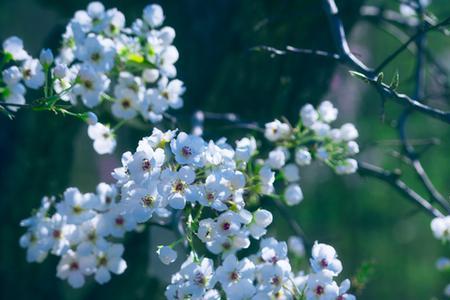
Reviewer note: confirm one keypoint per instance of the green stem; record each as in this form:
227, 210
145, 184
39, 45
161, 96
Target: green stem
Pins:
118, 125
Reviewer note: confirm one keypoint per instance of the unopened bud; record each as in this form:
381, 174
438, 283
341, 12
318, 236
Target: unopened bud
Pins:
46, 57
91, 118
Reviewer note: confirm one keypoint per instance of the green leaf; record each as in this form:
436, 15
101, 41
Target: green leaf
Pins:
363, 275
380, 77
395, 81
6, 112
359, 76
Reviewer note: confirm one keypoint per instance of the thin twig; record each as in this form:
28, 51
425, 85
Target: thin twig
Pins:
354, 63
365, 169
405, 45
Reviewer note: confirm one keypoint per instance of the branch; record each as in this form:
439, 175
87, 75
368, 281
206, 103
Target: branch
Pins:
199, 117
295, 227
438, 72
346, 57
392, 178
413, 38
340, 40
418, 92
315, 52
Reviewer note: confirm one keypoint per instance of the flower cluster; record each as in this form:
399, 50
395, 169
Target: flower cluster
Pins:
312, 138
265, 275
210, 188
101, 60
78, 230
23, 71
208, 183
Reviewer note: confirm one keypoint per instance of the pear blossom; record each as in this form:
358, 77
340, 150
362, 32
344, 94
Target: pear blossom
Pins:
236, 277
441, 228
76, 206
11, 75
175, 186
109, 261
245, 148
91, 85
276, 131
187, 149
32, 73
324, 259
14, 46
104, 141
74, 268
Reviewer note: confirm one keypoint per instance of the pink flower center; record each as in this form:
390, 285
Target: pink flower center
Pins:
186, 151
210, 197
56, 234
275, 280
226, 226
234, 276
119, 221
200, 279
319, 290
74, 266
146, 165
273, 260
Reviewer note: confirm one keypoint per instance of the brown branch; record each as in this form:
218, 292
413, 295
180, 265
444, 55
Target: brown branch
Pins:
346, 57
392, 178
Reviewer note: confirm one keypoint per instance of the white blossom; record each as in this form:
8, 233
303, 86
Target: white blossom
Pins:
103, 137
14, 46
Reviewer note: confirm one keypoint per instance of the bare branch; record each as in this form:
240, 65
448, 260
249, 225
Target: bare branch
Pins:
392, 178
351, 61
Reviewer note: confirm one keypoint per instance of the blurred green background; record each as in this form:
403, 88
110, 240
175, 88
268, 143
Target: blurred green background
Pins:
365, 220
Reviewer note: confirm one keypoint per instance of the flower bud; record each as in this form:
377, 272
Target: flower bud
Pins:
46, 57
153, 15
302, 157
349, 132
167, 255
91, 118
328, 113
60, 71
352, 147
291, 173
150, 75
296, 245
293, 194
347, 166
263, 217
309, 115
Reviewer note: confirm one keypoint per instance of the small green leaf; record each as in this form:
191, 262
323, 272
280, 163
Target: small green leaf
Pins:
363, 275
6, 112
380, 77
395, 81
359, 76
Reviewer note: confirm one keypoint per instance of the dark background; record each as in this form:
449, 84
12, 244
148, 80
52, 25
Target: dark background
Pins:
42, 154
